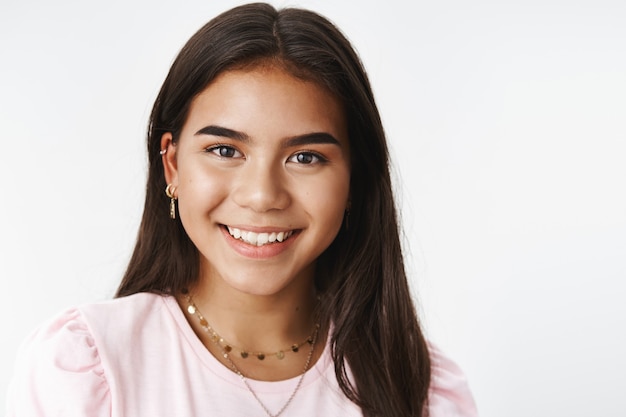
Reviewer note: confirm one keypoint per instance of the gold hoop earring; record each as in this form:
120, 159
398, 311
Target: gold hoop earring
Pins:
170, 191
346, 216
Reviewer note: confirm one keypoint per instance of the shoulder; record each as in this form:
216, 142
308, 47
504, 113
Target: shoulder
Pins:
136, 304
449, 394
121, 313
58, 371
60, 367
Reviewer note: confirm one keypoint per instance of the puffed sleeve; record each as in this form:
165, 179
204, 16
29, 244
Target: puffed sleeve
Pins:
449, 394
58, 373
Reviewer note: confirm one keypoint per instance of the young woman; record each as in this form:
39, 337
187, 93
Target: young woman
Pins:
267, 278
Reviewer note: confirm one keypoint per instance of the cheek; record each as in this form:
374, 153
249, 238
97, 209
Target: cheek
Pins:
328, 201
199, 192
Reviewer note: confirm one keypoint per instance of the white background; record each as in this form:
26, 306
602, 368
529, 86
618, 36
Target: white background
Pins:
506, 121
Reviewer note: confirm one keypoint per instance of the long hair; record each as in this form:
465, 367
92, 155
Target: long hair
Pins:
380, 355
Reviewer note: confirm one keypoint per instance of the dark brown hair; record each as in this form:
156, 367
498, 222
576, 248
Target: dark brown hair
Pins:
375, 328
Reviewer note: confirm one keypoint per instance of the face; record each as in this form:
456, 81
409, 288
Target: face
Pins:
262, 175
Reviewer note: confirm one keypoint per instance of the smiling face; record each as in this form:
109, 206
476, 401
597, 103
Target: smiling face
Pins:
262, 174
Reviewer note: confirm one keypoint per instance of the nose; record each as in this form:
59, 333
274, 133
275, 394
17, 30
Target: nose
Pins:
261, 188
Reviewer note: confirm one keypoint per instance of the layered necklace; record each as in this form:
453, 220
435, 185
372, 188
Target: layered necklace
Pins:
226, 348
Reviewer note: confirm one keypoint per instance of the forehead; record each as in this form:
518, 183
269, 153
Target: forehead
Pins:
268, 98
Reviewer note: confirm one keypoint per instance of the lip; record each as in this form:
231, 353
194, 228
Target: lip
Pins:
259, 252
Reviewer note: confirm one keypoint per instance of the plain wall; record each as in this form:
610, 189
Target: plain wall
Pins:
506, 122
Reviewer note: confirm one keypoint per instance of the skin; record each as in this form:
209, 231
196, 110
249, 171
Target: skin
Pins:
264, 152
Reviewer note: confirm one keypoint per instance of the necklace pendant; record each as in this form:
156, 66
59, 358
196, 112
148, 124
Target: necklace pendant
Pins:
226, 348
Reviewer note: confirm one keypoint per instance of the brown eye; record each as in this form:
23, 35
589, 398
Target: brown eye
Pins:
224, 151
307, 158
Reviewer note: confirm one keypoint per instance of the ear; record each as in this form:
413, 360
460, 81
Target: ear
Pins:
168, 156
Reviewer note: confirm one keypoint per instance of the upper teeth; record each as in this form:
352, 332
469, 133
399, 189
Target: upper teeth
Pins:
258, 239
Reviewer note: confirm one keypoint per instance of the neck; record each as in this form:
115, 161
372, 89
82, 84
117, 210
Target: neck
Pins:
256, 322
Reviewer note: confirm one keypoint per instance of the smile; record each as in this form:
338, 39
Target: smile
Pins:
259, 239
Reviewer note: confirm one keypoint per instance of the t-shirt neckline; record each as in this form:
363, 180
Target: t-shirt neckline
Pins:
211, 363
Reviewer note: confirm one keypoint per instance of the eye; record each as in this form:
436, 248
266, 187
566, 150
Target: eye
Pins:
224, 151
307, 158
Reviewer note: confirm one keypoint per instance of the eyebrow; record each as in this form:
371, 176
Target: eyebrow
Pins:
223, 132
300, 140
311, 139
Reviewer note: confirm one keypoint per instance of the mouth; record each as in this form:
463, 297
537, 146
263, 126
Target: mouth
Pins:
259, 239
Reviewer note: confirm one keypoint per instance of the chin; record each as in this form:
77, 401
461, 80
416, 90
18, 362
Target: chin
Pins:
260, 283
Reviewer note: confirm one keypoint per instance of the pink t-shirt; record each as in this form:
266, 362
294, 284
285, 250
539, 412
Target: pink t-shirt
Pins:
138, 356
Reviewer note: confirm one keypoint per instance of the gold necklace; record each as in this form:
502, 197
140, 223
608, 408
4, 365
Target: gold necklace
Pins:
228, 347
225, 349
